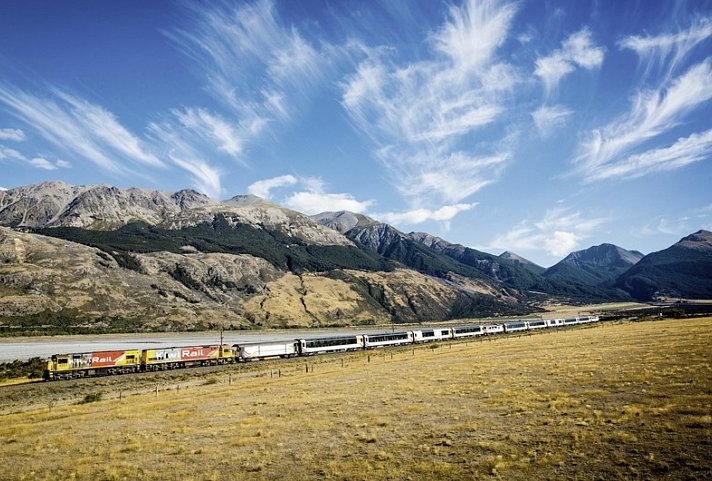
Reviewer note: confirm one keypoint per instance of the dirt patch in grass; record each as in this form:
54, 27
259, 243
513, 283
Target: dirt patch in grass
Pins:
613, 401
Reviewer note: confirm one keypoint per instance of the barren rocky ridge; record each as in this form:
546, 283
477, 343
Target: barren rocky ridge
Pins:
100, 257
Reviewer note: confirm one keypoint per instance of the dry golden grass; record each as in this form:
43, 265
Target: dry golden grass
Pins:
624, 401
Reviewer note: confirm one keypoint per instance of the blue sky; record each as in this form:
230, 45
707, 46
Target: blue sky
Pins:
540, 127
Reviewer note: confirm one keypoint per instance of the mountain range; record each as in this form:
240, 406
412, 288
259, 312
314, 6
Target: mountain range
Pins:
98, 257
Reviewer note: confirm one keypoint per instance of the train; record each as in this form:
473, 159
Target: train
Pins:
103, 363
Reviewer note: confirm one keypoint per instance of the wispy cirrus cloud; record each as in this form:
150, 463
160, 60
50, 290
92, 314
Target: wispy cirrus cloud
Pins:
578, 50
681, 225
549, 118
668, 49
558, 232
212, 128
205, 176
684, 151
38, 162
16, 135
423, 116
252, 62
609, 152
311, 197
256, 68
79, 127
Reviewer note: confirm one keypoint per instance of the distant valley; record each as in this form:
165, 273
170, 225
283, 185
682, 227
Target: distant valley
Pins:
99, 258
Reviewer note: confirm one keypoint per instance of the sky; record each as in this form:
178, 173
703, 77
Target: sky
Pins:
539, 127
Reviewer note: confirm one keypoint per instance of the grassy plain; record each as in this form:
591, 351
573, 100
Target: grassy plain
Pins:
611, 401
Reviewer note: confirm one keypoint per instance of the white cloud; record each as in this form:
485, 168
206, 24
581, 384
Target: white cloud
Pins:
577, 50
316, 202
250, 59
424, 116
685, 151
262, 188
208, 126
474, 32
670, 48
654, 112
206, 177
103, 126
3, 188
312, 198
448, 177
42, 163
16, 135
7, 153
81, 128
417, 216
39, 162
559, 232
548, 119
561, 243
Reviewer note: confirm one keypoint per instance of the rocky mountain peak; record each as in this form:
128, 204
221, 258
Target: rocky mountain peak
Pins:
604, 255
526, 263
595, 265
343, 221
700, 241
429, 240
189, 198
247, 200
105, 207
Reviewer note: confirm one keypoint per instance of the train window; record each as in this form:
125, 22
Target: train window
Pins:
63, 361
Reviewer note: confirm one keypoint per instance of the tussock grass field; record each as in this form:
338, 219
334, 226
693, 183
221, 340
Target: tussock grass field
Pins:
610, 401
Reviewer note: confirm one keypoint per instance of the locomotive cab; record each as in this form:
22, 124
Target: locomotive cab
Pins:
56, 366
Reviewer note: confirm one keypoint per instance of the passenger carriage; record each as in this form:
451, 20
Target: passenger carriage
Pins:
468, 331
317, 345
537, 324
429, 335
515, 326
494, 329
371, 341
554, 322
